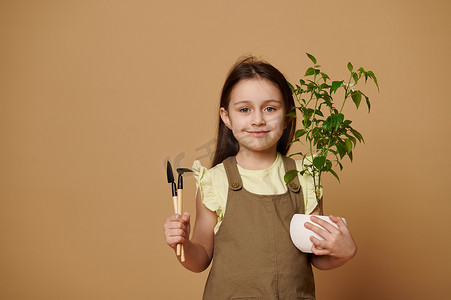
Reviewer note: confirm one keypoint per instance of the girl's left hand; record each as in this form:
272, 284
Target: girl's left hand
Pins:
338, 242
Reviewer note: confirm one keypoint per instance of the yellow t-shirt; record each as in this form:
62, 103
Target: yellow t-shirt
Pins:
213, 185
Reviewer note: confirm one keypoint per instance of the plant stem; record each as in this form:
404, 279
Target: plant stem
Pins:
315, 185
318, 197
346, 93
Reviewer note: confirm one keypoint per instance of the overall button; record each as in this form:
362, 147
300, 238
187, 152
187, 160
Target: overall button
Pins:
235, 185
294, 185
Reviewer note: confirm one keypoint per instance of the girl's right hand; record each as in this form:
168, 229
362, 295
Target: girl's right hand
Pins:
177, 229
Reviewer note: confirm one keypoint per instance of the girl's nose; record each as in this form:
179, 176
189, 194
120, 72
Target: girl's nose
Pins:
258, 119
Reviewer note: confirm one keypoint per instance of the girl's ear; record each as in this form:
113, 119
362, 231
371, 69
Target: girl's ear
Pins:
225, 117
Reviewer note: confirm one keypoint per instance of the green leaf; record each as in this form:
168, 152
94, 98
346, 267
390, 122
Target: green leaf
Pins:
291, 87
328, 165
355, 77
312, 58
291, 114
299, 133
306, 123
341, 148
356, 97
294, 141
350, 155
290, 175
319, 161
333, 151
368, 103
348, 146
319, 113
297, 153
372, 76
310, 71
311, 86
308, 112
336, 120
324, 86
336, 85
350, 67
327, 125
357, 135
335, 174
298, 90
353, 139
324, 76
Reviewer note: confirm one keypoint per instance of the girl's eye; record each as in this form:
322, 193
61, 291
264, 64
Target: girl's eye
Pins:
244, 110
270, 109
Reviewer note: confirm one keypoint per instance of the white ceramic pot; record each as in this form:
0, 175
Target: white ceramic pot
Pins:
301, 235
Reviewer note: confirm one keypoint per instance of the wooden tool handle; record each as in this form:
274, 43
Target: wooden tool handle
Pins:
179, 201
179, 247
180, 250
182, 256
175, 202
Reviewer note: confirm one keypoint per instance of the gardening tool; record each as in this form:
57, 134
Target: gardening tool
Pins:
175, 201
181, 171
174, 187
177, 198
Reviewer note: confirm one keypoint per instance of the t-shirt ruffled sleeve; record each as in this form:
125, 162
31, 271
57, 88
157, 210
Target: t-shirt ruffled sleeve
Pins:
308, 188
204, 184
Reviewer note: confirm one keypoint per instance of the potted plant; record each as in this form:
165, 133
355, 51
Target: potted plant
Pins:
327, 134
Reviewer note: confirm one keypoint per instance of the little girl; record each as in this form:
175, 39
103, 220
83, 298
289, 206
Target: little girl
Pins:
244, 207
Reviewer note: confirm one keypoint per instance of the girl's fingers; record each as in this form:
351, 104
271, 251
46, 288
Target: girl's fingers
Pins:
176, 225
320, 251
319, 231
176, 232
175, 236
186, 217
172, 229
319, 247
338, 221
172, 217
176, 229
173, 241
318, 242
177, 221
327, 226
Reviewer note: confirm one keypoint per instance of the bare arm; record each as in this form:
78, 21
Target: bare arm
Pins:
198, 250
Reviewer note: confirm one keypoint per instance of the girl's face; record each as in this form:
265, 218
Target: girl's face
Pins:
256, 114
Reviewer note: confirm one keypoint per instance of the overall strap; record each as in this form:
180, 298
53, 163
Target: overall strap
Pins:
233, 175
294, 186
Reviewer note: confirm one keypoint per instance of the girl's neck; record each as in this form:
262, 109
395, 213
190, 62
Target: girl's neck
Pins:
256, 160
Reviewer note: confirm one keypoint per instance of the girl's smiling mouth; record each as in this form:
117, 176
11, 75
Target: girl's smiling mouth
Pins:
258, 133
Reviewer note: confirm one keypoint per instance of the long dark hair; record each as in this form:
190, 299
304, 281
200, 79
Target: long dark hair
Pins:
246, 68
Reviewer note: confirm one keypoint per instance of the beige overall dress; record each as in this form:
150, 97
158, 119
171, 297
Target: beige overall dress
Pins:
254, 257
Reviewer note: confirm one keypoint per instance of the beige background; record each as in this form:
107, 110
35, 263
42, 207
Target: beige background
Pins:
95, 95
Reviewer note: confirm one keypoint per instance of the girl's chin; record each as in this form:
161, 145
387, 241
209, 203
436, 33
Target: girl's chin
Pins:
259, 147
